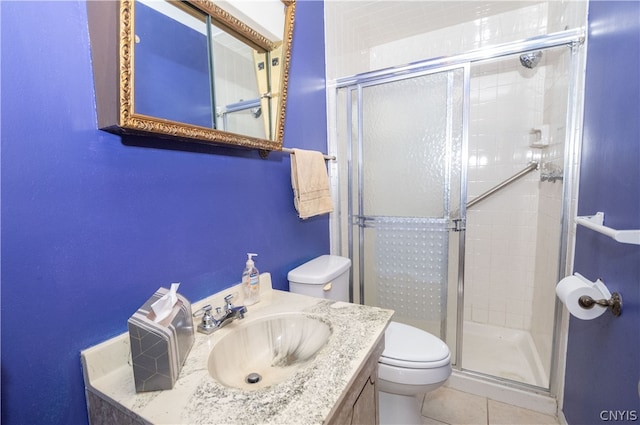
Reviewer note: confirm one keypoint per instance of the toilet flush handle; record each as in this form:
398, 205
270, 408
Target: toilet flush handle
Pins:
327, 287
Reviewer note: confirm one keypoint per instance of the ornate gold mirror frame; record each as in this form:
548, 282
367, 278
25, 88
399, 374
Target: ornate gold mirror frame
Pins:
113, 37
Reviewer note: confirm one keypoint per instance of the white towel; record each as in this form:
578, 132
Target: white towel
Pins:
310, 183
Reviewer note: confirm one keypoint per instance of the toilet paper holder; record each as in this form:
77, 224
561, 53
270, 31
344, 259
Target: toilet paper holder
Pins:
614, 303
581, 296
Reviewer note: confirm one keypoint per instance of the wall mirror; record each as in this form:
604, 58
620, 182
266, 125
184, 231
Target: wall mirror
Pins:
202, 71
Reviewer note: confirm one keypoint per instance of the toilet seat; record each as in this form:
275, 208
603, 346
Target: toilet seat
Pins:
412, 348
414, 365
402, 380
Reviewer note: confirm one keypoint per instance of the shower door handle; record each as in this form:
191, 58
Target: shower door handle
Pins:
459, 224
361, 220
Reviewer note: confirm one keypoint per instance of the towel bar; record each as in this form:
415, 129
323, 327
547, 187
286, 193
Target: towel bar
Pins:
596, 223
327, 157
264, 154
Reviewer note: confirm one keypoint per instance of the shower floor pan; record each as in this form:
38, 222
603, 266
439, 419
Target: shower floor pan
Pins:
502, 352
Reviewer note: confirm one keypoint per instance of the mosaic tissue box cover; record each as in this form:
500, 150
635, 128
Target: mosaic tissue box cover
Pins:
159, 350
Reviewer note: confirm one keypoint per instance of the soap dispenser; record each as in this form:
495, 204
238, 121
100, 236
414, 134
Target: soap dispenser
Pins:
251, 281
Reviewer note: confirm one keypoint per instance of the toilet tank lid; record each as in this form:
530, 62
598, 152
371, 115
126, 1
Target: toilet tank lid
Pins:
320, 270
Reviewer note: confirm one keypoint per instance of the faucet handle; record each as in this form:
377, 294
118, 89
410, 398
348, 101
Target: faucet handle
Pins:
207, 323
227, 299
203, 311
241, 311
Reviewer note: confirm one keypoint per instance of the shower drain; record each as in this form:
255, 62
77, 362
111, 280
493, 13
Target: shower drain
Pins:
253, 378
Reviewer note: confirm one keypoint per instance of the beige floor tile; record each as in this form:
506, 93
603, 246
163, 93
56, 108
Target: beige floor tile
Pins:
501, 413
455, 407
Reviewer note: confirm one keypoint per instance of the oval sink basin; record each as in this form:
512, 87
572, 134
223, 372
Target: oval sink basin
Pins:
267, 351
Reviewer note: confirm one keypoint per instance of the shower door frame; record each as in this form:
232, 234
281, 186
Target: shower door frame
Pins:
572, 38
458, 222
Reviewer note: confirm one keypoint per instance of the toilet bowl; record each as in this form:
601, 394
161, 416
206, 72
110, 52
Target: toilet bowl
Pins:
413, 362
413, 358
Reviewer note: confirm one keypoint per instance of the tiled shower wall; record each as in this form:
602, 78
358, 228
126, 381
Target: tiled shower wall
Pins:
502, 229
522, 23
348, 54
504, 233
513, 238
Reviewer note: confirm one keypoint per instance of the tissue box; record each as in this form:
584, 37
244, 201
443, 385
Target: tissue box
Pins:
159, 350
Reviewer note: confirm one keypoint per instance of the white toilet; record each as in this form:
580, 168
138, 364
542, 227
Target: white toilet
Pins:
413, 362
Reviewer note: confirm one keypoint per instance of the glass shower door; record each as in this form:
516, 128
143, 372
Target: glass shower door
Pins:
406, 185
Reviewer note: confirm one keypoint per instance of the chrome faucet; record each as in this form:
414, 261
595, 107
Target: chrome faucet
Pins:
212, 322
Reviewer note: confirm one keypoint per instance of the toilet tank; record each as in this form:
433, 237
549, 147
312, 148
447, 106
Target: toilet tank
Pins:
326, 276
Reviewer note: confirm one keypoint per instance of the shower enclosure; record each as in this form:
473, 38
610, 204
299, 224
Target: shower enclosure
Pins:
454, 192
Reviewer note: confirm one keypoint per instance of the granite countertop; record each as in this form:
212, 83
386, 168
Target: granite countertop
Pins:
308, 397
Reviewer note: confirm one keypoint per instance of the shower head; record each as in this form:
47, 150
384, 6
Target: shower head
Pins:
530, 60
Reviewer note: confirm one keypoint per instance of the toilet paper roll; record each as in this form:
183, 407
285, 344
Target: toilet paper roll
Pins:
571, 288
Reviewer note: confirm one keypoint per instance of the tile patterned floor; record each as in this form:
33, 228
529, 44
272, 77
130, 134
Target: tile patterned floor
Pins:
452, 407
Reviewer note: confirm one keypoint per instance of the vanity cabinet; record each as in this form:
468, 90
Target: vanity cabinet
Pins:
359, 404
104, 412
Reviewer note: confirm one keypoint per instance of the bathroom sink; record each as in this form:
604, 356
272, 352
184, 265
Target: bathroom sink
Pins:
268, 350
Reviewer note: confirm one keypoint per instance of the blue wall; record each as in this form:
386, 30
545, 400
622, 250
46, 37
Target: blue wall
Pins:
93, 223
603, 360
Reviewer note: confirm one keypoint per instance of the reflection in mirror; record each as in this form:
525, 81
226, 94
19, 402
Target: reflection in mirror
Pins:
249, 104
172, 65
192, 70
240, 80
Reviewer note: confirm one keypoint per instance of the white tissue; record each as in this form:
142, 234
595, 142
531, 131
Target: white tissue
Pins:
163, 307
